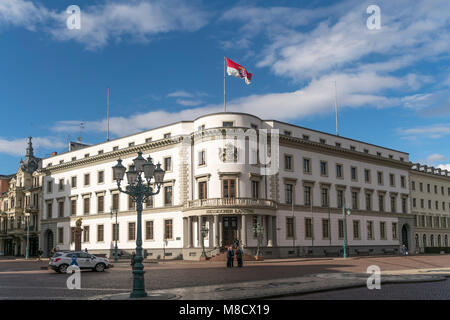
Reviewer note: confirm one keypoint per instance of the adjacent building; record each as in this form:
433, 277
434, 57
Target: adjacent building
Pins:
430, 194
210, 181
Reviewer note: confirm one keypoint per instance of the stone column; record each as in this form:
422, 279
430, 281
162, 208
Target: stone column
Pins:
216, 231
220, 231
243, 231
199, 233
269, 231
189, 232
274, 231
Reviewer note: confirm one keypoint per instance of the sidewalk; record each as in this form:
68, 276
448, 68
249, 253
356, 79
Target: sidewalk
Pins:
289, 286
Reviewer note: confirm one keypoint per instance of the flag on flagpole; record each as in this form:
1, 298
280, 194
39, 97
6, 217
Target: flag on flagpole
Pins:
238, 71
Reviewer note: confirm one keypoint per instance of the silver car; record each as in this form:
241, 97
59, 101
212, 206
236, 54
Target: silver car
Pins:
62, 259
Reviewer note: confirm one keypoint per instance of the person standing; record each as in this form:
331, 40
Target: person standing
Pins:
40, 252
239, 254
230, 255
404, 250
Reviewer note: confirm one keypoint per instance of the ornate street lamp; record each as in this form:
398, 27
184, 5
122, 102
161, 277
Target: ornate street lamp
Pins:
139, 191
258, 229
204, 231
344, 227
114, 212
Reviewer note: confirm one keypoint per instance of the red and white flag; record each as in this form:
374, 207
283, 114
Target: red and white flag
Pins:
238, 71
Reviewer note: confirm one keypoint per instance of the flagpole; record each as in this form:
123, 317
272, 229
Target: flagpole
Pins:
336, 107
224, 85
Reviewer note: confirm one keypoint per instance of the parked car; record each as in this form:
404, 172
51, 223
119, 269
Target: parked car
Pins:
62, 259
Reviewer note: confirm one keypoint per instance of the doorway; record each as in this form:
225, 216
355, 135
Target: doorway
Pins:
405, 236
229, 230
49, 242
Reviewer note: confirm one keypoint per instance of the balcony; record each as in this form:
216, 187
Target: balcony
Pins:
230, 202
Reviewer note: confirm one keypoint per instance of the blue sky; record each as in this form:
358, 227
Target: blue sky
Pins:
163, 61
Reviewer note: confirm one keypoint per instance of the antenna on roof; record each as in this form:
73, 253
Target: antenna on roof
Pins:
81, 130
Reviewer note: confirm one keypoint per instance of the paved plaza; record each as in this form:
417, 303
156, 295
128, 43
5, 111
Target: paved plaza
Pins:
20, 279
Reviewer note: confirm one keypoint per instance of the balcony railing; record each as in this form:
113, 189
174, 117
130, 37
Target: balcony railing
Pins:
230, 202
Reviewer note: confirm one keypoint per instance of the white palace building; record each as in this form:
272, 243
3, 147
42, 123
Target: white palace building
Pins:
299, 204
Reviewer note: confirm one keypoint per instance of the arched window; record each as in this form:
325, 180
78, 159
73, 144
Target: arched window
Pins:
424, 240
432, 240
439, 241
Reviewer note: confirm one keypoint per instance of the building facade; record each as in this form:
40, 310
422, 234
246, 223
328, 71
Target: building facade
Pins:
20, 208
430, 195
212, 180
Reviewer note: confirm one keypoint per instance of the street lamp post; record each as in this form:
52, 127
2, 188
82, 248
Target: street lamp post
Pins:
27, 220
139, 191
204, 231
258, 229
114, 212
344, 227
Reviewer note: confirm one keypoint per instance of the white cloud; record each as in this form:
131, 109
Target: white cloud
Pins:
434, 131
435, 157
17, 147
138, 20
444, 166
180, 94
184, 102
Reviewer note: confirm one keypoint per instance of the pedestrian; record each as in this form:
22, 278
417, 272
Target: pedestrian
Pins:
40, 252
236, 243
52, 252
85, 250
239, 255
404, 250
133, 256
230, 255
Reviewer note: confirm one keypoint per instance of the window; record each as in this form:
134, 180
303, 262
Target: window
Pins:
227, 123
287, 133
60, 235
100, 204
340, 198
325, 197
131, 231
73, 207
435, 189
366, 150
392, 180
356, 230
148, 230
49, 210
428, 187
101, 177
326, 228
404, 205
341, 229
305, 137
86, 234
369, 230
115, 232
429, 204
322, 141
339, 170
168, 195
100, 233
61, 209
306, 165
49, 187
354, 173
381, 202
147, 140
379, 154
308, 228
368, 201
100, 151
402, 182
72, 234
115, 201
353, 148
394, 230
87, 179
131, 203
287, 162
354, 200
168, 164
421, 186
168, 229
228, 188
288, 193
422, 203
289, 227
131, 144
74, 182
61, 185
74, 158
86, 155
383, 230
87, 204
367, 175
338, 144
255, 189
323, 168
115, 148
393, 206
307, 195
202, 158
391, 156
202, 194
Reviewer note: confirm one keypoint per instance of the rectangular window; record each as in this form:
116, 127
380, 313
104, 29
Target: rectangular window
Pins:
49, 210
287, 162
202, 158
381, 202
368, 201
404, 205
402, 182
326, 228
339, 171
61, 185
202, 194
168, 164
168, 229
60, 235
255, 189
131, 203
115, 201
131, 231
380, 177
354, 174
287, 133
356, 231
74, 182
289, 227
354, 200
131, 144
148, 230
306, 165
100, 204
393, 206
227, 123
100, 233
49, 187
383, 230
341, 229
86, 234
394, 230
307, 195
73, 207
115, 232
61, 209
149, 202
87, 205
323, 168
288, 193
87, 179
168, 195
369, 230
115, 148
367, 175
340, 198
147, 140
308, 228
324, 197
228, 188
101, 177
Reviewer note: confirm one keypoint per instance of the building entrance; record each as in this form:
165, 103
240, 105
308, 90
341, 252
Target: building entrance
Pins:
229, 230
